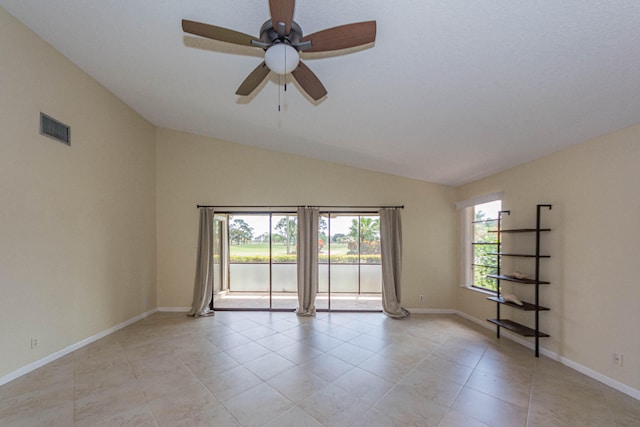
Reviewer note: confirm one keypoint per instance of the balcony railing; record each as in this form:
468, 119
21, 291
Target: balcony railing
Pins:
345, 278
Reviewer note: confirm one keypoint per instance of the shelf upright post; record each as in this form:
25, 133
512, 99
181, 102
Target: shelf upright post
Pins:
537, 285
499, 266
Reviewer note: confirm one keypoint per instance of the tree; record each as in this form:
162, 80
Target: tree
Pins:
354, 233
322, 229
364, 234
287, 227
338, 238
369, 229
240, 232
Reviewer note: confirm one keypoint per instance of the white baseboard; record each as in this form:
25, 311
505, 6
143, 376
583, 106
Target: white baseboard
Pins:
174, 309
58, 354
558, 358
431, 311
600, 377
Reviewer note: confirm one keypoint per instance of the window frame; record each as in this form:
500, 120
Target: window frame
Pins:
475, 244
466, 227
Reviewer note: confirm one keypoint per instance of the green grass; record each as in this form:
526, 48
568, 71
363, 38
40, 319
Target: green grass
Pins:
280, 249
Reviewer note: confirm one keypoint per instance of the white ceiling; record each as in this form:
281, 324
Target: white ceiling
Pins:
452, 90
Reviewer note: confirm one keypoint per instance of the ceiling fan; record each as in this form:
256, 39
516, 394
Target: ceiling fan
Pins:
282, 40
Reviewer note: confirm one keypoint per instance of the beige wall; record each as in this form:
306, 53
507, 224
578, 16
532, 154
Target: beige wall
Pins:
77, 224
197, 170
594, 294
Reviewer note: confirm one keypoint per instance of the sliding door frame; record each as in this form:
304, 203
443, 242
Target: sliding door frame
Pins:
270, 213
345, 213
228, 245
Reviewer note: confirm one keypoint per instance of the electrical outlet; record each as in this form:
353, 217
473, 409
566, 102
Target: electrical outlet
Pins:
421, 297
34, 342
618, 358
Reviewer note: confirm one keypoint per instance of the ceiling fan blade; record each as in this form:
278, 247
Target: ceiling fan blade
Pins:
253, 80
282, 11
341, 37
309, 82
216, 33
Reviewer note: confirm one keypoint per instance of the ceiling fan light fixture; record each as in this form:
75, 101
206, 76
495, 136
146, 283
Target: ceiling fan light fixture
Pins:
282, 58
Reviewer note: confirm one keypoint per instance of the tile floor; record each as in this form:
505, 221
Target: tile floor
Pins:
337, 369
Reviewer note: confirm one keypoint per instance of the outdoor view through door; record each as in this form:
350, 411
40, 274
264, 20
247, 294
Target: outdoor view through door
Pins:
255, 264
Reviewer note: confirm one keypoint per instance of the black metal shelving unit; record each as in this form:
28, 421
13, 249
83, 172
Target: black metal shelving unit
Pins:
535, 306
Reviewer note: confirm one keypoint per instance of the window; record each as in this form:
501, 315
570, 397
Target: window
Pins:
484, 244
478, 217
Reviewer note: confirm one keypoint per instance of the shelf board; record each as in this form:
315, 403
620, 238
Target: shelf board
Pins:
526, 306
519, 255
520, 230
516, 327
513, 279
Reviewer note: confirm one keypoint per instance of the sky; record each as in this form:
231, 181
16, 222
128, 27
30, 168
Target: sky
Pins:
490, 209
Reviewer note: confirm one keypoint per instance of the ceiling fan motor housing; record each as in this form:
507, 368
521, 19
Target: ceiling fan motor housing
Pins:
268, 34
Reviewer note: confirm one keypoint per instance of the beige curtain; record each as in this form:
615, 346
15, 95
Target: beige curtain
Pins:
307, 260
391, 254
203, 284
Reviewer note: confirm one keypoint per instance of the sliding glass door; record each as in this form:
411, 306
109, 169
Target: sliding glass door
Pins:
249, 262
350, 271
284, 276
261, 263
256, 262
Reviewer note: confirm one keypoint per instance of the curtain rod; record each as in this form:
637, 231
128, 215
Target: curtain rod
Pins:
294, 206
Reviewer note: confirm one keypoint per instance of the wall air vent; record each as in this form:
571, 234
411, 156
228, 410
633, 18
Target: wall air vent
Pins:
55, 129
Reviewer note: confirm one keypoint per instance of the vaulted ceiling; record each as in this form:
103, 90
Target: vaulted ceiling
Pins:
451, 91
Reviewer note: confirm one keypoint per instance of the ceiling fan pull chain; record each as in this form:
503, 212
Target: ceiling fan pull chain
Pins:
285, 66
